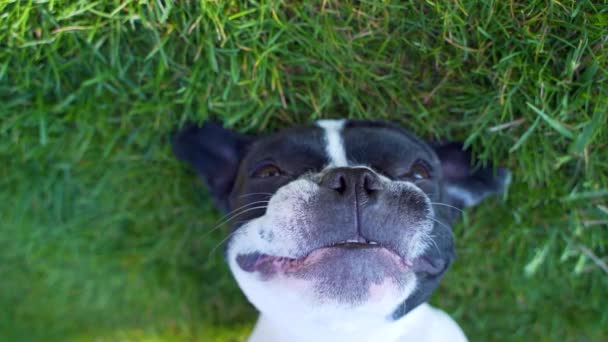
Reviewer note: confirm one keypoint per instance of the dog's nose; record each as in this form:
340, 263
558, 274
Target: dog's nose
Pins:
350, 180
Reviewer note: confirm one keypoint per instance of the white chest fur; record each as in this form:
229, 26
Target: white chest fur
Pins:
423, 324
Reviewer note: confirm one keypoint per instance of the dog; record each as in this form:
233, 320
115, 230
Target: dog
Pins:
344, 226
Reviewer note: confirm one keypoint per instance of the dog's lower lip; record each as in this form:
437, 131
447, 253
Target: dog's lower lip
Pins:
252, 262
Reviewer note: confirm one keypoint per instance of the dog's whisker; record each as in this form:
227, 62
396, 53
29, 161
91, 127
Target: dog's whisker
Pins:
220, 243
257, 193
242, 207
432, 239
441, 223
224, 240
447, 205
232, 217
234, 214
239, 222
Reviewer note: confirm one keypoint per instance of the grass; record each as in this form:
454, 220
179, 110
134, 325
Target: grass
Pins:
103, 233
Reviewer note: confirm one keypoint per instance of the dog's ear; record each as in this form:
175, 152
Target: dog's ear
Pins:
215, 153
464, 185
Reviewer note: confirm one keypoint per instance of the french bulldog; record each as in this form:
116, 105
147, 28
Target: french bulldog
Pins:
344, 226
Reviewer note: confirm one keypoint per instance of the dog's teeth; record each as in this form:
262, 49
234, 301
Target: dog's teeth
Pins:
373, 243
351, 241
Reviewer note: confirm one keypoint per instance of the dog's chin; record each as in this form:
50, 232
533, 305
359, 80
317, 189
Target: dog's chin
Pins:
346, 274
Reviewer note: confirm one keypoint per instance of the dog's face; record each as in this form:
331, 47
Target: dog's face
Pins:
339, 218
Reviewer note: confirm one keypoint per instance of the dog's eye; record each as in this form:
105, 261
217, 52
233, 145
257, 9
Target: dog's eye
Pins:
418, 171
266, 171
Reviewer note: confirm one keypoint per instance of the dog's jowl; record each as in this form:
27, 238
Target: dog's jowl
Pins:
344, 226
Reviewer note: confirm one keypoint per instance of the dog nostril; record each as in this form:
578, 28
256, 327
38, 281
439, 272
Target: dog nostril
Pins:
352, 180
371, 183
335, 181
340, 184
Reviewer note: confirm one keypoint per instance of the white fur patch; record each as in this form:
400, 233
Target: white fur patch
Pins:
335, 145
419, 239
423, 324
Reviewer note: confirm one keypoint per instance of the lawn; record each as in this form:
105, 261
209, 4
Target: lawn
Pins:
104, 235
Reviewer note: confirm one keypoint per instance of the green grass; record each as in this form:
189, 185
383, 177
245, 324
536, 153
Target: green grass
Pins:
103, 233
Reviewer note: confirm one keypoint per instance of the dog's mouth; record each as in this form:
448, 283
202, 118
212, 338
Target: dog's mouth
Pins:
345, 254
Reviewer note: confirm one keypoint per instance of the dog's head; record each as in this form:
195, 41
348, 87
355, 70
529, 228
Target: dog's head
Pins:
338, 218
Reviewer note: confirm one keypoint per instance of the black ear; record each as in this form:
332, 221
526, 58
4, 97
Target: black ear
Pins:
464, 186
215, 153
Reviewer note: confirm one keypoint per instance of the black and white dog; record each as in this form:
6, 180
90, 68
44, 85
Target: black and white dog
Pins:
344, 226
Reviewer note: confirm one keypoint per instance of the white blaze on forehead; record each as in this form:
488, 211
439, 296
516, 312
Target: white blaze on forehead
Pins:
334, 143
